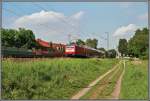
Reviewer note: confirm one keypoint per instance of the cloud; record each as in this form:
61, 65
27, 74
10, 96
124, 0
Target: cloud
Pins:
143, 16
78, 15
124, 30
50, 25
40, 17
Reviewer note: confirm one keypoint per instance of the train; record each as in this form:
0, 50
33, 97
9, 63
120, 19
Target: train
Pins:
49, 49
70, 51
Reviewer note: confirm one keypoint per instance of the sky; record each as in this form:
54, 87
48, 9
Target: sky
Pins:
62, 22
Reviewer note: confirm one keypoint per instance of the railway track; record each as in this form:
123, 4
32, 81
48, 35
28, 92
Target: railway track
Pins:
104, 87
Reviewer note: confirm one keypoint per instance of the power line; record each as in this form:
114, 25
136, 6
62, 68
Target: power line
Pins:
11, 11
100, 36
18, 15
62, 20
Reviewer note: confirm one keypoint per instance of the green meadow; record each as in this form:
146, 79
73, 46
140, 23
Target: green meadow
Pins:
58, 78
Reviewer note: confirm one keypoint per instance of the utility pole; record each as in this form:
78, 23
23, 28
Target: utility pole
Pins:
107, 40
69, 38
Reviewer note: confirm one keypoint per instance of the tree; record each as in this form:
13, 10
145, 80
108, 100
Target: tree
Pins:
102, 49
111, 53
8, 37
122, 48
138, 44
25, 39
92, 43
18, 38
105, 52
80, 42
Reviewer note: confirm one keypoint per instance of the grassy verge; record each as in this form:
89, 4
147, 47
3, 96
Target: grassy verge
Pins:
135, 80
50, 78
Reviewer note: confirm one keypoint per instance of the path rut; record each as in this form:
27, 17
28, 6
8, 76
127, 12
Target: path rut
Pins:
85, 90
115, 94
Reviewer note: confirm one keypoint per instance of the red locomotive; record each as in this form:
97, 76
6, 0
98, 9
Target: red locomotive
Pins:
82, 51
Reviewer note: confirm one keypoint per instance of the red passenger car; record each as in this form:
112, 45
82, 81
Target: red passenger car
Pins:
50, 49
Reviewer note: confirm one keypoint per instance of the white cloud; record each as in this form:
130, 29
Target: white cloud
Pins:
40, 17
78, 15
143, 16
50, 25
124, 30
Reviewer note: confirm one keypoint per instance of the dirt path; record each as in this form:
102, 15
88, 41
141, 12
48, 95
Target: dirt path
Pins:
115, 94
85, 90
100, 88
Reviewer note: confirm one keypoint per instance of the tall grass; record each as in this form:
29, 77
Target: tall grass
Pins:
135, 80
49, 78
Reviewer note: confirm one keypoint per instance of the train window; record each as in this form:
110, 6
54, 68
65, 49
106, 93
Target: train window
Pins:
57, 48
69, 46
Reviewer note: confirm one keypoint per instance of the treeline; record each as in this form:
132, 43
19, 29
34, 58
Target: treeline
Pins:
137, 46
88, 42
21, 38
25, 38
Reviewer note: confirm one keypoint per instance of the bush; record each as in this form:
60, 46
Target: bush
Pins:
111, 53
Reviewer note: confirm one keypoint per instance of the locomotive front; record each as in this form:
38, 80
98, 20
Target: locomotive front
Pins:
70, 50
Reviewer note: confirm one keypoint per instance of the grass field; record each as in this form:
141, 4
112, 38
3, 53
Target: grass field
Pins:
50, 78
135, 80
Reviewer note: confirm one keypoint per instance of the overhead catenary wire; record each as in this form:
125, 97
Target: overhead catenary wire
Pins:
11, 11
19, 15
100, 36
62, 20
105, 39
66, 22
